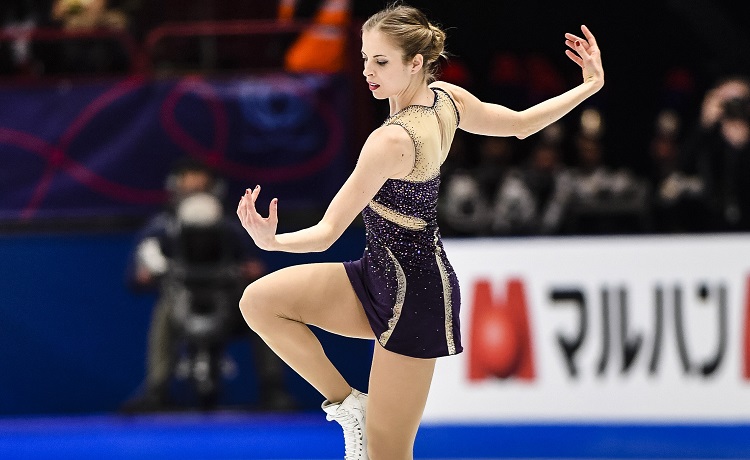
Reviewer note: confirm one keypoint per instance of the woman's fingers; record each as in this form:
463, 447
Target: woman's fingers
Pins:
248, 213
273, 208
574, 47
579, 53
250, 196
574, 38
248, 201
585, 53
589, 36
574, 57
246, 204
244, 210
580, 49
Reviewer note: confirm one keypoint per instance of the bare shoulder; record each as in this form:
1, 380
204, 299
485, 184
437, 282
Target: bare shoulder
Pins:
459, 95
389, 149
445, 86
390, 139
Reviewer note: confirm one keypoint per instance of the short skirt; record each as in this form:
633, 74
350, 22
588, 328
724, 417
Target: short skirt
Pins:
413, 309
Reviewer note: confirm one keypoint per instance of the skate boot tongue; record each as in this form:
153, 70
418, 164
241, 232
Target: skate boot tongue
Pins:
350, 414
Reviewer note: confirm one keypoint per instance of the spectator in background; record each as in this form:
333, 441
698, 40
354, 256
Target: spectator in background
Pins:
469, 193
534, 198
463, 208
494, 171
88, 14
88, 55
718, 151
154, 248
549, 181
494, 197
496, 156
19, 17
513, 209
604, 201
676, 194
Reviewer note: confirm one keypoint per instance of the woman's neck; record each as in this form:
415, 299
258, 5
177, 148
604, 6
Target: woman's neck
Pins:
417, 93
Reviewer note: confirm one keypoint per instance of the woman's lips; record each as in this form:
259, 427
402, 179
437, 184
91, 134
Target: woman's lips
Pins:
373, 86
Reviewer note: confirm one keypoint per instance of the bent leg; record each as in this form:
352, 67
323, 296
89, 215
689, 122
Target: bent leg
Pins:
397, 396
279, 306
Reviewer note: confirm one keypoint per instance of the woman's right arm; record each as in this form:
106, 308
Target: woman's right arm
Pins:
387, 153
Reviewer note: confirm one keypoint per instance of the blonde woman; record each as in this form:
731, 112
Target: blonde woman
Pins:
403, 292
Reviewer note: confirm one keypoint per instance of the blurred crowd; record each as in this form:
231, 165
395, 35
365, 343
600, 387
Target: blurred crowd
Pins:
561, 181
27, 52
564, 180
42, 38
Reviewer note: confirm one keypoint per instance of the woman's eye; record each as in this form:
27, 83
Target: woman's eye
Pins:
382, 62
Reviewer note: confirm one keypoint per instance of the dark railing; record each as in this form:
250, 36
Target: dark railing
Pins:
133, 51
227, 45
219, 28
142, 57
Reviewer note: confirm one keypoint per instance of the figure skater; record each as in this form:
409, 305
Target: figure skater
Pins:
403, 292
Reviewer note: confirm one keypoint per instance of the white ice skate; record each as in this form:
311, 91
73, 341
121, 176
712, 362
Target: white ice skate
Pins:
350, 413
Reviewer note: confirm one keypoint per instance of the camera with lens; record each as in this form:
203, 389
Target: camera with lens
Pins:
737, 108
205, 282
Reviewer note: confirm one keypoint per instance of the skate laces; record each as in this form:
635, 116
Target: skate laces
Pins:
350, 414
353, 434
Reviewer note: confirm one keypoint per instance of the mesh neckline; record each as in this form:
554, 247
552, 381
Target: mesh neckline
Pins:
434, 103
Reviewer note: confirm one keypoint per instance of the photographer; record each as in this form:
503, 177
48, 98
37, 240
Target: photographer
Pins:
165, 248
718, 152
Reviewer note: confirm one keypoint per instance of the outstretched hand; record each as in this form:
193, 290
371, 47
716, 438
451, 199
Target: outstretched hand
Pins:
585, 53
261, 229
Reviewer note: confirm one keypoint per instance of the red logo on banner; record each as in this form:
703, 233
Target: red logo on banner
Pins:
747, 331
500, 336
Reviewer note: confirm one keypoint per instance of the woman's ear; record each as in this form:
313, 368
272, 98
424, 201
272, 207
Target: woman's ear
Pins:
417, 63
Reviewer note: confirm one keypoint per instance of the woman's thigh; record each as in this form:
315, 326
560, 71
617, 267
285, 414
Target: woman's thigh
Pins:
317, 294
397, 396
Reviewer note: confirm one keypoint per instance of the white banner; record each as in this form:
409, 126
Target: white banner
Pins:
599, 329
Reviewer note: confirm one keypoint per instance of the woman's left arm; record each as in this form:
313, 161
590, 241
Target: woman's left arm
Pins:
495, 120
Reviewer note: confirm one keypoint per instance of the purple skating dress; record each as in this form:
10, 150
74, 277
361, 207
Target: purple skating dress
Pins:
407, 286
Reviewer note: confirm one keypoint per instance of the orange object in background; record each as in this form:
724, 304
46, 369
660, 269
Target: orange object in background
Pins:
322, 46
286, 10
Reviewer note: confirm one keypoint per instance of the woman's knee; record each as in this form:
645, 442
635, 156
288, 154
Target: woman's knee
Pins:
254, 305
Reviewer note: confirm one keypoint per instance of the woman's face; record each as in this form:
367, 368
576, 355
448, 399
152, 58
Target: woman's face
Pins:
385, 71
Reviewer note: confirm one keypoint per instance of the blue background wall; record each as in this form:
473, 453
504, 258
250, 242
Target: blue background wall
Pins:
73, 337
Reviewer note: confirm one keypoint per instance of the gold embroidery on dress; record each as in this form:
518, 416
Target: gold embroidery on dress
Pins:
400, 296
447, 299
431, 135
431, 129
410, 222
